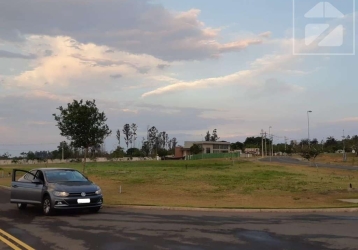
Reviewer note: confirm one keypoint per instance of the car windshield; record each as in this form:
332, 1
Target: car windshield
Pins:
64, 176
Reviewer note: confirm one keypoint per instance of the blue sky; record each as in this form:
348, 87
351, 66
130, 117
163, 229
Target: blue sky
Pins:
185, 67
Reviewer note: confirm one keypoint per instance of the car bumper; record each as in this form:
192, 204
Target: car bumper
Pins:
75, 202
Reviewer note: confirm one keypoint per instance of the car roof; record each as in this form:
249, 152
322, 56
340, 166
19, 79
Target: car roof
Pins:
47, 169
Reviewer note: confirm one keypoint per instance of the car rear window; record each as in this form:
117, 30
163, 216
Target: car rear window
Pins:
64, 176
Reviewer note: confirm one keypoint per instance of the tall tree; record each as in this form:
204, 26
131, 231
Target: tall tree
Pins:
153, 137
82, 124
167, 141
118, 135
207, 136
214, 136
164, 134
174, 142
134, 129
127, 133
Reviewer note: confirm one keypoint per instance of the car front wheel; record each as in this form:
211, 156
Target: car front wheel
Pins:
47, 206
21, 206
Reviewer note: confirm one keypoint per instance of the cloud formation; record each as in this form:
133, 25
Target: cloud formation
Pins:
277, 62
136, 26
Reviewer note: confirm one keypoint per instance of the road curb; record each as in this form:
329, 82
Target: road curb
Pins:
5, 187
224, 210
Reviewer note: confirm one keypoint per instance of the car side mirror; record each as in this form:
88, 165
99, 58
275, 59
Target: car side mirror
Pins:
37, 181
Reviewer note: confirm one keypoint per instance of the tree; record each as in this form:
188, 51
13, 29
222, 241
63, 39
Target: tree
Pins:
196, 149
134, 152
208, 136
153, 138
254, 142
146, 148
167, 141
117, 153
174, 143
118, 135
83, 125
134, 128
237, 146
314, 141
309, 153
5, 156
127, 133
214, 136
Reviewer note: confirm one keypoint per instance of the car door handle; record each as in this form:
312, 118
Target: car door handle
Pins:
15, 186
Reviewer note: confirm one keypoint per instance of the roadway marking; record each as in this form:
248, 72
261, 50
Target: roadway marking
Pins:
9, 243
8, 238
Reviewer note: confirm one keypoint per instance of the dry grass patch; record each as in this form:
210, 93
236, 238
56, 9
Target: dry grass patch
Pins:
337, 159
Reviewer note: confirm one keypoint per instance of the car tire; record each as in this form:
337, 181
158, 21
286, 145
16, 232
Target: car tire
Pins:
95, 209
47, 207
21, 206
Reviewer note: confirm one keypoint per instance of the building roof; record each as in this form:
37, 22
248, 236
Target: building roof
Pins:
188, 144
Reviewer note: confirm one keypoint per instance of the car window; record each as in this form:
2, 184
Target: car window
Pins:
40, 176
30, 177
64, 176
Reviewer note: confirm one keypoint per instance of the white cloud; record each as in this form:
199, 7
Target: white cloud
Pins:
266, 64
75, 64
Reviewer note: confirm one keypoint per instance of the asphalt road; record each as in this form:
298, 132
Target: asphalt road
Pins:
290, 160
148, 229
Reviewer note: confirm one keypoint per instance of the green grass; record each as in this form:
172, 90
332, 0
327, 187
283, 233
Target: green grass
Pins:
217, 183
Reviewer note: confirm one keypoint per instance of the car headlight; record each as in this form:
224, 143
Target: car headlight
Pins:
99, 191
60, 194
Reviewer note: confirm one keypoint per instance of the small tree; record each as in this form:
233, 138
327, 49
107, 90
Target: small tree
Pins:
196, 149
83, 124
309, 153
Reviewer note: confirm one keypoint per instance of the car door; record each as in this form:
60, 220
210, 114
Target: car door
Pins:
23, 190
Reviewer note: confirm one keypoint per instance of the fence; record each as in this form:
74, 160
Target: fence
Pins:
212, 156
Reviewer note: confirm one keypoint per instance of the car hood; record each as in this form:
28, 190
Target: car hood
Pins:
75, 187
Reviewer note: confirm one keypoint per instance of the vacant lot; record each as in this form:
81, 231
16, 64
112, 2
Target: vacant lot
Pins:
218, 183
337, 159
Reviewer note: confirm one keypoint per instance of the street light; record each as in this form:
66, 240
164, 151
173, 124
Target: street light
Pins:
308, 118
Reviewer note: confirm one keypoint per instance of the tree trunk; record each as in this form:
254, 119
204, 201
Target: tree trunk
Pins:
84, 160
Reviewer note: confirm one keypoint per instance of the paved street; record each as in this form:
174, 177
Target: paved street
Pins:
149, 229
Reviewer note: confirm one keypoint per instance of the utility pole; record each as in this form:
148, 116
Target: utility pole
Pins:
269, 142
262, 143
285, 143
265, 145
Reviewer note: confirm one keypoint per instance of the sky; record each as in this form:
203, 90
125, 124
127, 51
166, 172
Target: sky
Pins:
186, 67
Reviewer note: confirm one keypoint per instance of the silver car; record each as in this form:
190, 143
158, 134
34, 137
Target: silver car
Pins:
55, 189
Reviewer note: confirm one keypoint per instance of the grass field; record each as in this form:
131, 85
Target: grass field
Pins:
218, 183
337, 159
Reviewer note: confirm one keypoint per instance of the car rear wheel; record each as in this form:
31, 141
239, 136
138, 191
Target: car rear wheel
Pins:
47, 206
21, 206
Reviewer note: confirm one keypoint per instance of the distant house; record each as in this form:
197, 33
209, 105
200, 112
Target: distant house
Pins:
210, 147
254, 151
